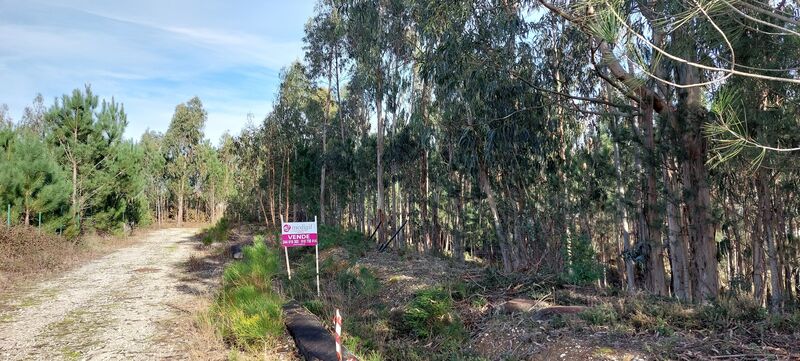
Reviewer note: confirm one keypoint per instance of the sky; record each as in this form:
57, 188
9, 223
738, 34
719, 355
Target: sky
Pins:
152, 55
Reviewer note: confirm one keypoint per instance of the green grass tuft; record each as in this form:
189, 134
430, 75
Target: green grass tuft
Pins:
248, 311
599, 315
431, 314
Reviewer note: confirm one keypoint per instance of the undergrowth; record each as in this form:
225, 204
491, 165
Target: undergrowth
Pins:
430, 314
216, 233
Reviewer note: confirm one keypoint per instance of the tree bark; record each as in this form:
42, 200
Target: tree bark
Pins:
655, 259
767, 218
379, 156
622, 214
498, 224
679, 253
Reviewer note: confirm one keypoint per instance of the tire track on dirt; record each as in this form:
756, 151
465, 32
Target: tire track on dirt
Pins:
107, 309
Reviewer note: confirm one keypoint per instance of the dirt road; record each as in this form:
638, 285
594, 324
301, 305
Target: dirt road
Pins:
113, 308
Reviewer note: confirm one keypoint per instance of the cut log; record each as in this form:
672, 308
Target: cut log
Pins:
548, 312
523, 305
313, 340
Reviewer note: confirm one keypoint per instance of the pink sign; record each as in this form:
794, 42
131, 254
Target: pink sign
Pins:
299, 234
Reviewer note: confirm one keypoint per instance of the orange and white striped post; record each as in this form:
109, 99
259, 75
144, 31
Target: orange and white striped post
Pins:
337, 321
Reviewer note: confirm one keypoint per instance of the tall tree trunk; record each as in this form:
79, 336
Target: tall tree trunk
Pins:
271, 193
679, 253
652, 231
458, 241
424, 178
180, 203
697, 192
767, 218
379, 156
287, 185
759, 271
324, 149
498, 224
622, 214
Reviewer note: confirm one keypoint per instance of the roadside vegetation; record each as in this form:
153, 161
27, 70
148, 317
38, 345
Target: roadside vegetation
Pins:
247, 312
218, 232
27, 253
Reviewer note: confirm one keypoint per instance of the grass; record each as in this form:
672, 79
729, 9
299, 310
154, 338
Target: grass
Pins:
70, 354
353, 241
247, 313
216, 233
431, 313
600, 315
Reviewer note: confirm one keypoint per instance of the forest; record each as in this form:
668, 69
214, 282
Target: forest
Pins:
647, 146
67, 169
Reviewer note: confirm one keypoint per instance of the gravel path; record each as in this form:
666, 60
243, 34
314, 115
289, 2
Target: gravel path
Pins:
112, 308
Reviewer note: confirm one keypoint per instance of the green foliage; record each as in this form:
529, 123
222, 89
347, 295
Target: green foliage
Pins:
584, 268
107, 190
728, 312
431, 314
30, 179
181, 149
248, 311
353, 241
361, 283
599, 315
218, 232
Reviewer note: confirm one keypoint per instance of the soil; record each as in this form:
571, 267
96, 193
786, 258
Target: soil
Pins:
120, 306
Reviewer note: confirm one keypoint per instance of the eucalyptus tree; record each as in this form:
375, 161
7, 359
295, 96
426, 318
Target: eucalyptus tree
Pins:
33, 116
367, 42
155, 173
323, 46
181, 143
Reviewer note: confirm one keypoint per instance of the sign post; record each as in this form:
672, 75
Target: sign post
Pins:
316, 251
299, 234
286, 252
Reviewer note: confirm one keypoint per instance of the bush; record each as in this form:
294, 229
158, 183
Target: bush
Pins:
430, 314
599, 315
584, 268
785, 323
362, 283
353, 241
246, 315
727, 312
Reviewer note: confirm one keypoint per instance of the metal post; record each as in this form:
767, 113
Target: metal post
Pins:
8, 216
40, 219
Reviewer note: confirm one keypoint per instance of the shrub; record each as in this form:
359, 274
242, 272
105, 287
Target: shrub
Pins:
430, 314
362, 283
727, 312
246, 315
216, 233
584, 268
353, 241
599, 315
785, 323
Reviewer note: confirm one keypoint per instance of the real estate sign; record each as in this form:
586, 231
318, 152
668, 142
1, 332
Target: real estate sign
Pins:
299, 234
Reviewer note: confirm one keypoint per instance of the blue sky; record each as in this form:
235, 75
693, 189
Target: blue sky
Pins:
152, 55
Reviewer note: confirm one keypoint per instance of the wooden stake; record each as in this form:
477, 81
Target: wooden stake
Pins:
286, 253
316, 250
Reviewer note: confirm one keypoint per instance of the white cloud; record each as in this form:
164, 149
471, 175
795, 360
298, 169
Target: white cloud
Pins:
151, 55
